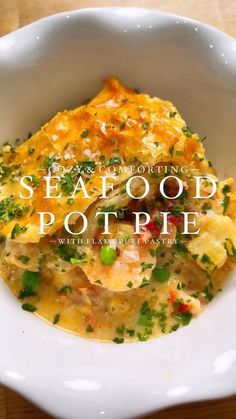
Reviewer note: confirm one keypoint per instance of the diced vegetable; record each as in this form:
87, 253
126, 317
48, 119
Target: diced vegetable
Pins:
107, 255
161, 274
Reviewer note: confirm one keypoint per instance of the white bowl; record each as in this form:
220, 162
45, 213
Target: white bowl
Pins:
57, 63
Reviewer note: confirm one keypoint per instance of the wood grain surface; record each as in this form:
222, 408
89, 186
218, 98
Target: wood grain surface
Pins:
220, 13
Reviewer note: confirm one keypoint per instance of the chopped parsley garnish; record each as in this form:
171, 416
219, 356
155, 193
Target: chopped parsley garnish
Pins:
67, 185
10, 209
31, 150
130, 332
30, 281
118, 340
146, 266
114, 160
184, 318
146, 316
35, 180
56, 318
143, 337
29, 307
145, 283
206, 259
4, 172
110, 208
24, 259
120, 329
78, 260
70, 201
162, 316
67, 253
66, 290
226, 200
87, 166
122, 125
42, 261
48, 161
121, 213
17, 229
129, 284
171, 150
181, 247
207, 294
206, 207
176, 211
230, 248
180, 285
89, 329
187, 132
84, 133
145, 125
172, 114
174, 327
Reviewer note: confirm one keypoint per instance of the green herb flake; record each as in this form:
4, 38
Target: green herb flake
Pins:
9, 209
181, 247
34, 180
207, 294
30, 281
187, 131
206, 259
24, 259
142, 337
145, 283
114, 160
31, 150
29, 307
183, 318
174, 327
66, 290
118, 340
206, 207
86, 167
122, 125
48, 161
56, 318
84, 133
120, 329
70, 201
146, 316
130, 332
230, 248
17, 229
89, 329
146, 266
67, 184
226, 199
176, 211
171, 150
145, 125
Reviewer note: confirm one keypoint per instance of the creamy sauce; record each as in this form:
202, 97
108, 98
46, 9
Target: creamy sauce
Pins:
117, 291
103, 315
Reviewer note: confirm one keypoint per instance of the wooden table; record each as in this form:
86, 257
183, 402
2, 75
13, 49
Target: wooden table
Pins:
220, 13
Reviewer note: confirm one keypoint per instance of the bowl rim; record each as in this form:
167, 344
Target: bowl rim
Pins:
80, 11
